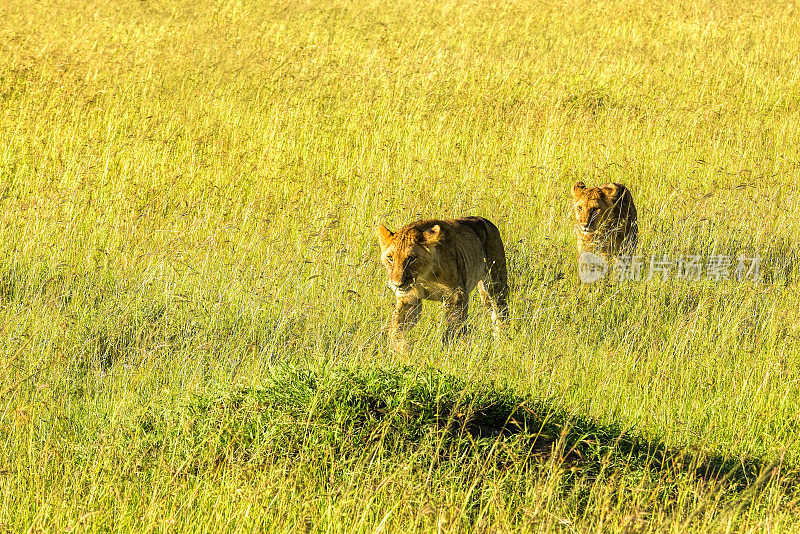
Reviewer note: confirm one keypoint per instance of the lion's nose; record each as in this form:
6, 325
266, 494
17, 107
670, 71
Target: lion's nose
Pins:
397, 283
402, 284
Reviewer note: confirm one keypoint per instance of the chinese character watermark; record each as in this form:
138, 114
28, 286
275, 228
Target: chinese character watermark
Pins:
591, 267
691, 267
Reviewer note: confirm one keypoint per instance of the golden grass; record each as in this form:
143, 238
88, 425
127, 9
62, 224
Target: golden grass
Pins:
189, 191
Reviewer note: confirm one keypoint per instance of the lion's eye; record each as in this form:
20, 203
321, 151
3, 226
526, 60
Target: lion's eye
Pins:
389, 258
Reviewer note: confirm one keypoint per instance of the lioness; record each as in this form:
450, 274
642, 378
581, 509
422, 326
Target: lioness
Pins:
606, 219
443, 260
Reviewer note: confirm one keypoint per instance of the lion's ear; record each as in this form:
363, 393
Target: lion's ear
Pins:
577, 188
384, 236
431, 235
612, 192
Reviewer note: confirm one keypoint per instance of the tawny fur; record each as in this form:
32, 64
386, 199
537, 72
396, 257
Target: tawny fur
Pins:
606, 220
443, 260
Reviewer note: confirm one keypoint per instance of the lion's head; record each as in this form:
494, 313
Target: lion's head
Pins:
593, 205
407, 254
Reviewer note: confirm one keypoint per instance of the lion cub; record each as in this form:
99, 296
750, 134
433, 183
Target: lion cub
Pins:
443, 260
606, 219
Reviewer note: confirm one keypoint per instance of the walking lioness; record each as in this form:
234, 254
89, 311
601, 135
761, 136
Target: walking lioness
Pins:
606, 219
443, 260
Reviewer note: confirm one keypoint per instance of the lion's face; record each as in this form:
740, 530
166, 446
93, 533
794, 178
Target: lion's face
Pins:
591, 206
407, 256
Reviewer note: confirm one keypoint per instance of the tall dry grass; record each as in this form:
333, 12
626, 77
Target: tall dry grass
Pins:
190, 296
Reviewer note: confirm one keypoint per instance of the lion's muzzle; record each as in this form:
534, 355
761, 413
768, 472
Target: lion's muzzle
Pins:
402, 288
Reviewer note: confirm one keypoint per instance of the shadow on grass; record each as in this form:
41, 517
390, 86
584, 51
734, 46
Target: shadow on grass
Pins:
408, 409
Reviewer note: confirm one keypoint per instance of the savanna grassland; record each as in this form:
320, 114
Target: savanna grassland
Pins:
191, 297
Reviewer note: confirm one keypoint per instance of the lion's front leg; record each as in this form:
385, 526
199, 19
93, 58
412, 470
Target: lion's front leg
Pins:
405, 315
456, 308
